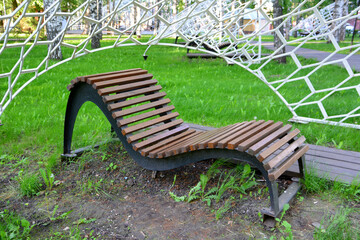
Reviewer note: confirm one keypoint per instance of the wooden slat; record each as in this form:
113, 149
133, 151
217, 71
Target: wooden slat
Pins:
143, 116
130, 94
160, 153
122, 81
254, 139
134, 101
166, 142
205, 143
195, 144
126, 87
95, 79
149, 123
140, 108
290, 161
154, 130
277, 145
278, 158
256, 148
160, 137
213, 143
247, 127
235, 142
183, 146
84, 78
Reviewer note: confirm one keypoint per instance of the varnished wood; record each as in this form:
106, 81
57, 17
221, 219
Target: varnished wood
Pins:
256, 148
160, 137
122, 81
126, 87
279, 157
129, 94
134, 101
267, 152
143, 116
261, 135
289, 162
235, 142
140, 108
154, 130
149, 123
97, 79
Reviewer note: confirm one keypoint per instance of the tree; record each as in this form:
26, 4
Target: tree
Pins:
278, 11
96, 13
53, 28
340, 9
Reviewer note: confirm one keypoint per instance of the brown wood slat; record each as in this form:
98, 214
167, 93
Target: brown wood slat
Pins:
126, 87
279, 157
95, 79
130, 94
277, 145
84, 78
122, 81
213, 143
166, 142
140, 108
149, 123
247, 127
256, 148
205, 142
160, 137
288, 163
194, 144
143, 116
246, 144
160, 153
154, 130
134, 101
183, 146
235, 142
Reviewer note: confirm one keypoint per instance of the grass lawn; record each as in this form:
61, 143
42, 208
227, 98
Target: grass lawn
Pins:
206, 92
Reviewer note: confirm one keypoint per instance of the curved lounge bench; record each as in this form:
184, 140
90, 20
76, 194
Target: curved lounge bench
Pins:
144, 121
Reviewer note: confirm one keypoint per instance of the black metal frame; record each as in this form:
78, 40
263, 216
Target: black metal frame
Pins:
83, 92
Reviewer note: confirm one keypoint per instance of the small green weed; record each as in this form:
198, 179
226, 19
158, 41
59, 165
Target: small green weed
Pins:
29, 184
84, 221
283, 226
111, 167
338, 226
92, 186
13, 226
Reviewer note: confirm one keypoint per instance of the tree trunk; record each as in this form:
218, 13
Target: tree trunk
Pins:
96, 13
278, 11
338, 8
345, 11
53, 28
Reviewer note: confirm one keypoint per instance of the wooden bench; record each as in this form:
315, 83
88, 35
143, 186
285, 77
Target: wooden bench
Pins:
157, 139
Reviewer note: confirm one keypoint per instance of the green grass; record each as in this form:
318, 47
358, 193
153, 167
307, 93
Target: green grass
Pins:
206, 92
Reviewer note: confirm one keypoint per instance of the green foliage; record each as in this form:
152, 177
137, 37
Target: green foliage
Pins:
13, 226
313, 183
92, 186
48, 178
338, 226
238, 180
84, 221
111, 167
283, 226
29, 184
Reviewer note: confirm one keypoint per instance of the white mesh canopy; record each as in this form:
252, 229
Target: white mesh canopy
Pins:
228, 29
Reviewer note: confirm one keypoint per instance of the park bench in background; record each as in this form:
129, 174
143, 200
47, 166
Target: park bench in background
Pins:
156, 139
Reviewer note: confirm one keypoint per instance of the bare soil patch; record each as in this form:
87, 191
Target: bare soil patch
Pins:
126, 202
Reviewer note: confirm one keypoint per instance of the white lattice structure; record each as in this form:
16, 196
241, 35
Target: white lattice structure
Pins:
314, 25
222, 26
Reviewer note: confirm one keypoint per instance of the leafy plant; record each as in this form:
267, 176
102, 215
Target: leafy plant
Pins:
13, 226
29, 183
111, 167
61, 216
227, 205
48, 177
283, 226
338, 226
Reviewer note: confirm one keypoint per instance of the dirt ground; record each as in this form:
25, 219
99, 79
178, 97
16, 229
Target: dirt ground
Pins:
126, 202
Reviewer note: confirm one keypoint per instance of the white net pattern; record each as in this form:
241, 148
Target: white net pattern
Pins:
228, 29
